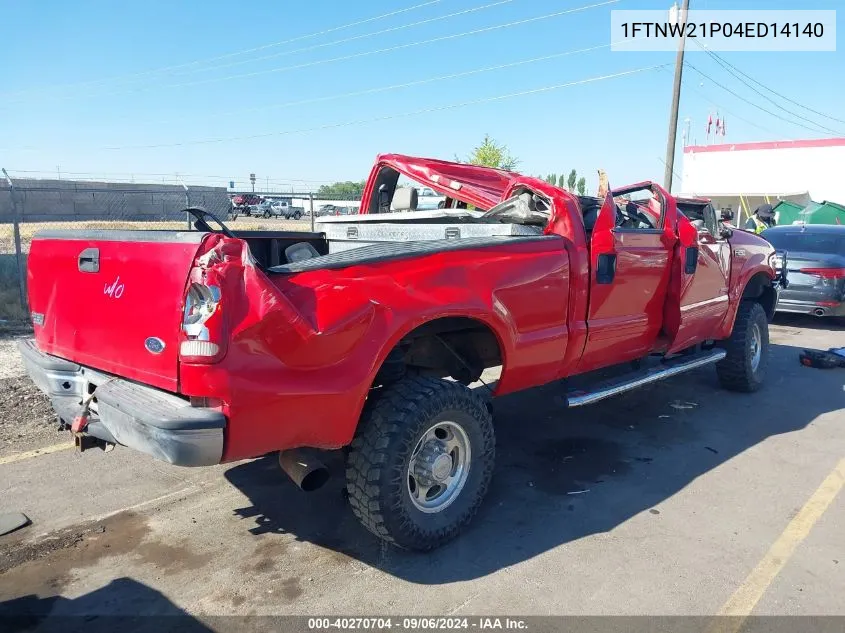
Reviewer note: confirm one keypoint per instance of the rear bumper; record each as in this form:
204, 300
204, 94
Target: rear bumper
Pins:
149, 420
802, 306
820, 301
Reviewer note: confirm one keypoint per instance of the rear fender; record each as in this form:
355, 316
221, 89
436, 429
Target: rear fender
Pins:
499, 328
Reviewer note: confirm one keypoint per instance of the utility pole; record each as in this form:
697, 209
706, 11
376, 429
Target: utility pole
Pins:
676, 99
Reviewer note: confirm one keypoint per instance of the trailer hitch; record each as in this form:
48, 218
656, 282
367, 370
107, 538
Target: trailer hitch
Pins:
81, 440
80, 423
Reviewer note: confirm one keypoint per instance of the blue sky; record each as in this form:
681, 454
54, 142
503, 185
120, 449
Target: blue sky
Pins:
85, 76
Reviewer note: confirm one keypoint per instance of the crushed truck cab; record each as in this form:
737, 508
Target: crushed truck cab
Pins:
210, 346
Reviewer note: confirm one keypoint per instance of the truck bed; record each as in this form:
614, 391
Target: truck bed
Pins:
383, 251
345, 233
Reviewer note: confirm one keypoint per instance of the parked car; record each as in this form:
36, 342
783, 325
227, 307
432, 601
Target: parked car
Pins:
294, 213
246, 203
326, 209
279, 208
201, 347
264, 208
815, 256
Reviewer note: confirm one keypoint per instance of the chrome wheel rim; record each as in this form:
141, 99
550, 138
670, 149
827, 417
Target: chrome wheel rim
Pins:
756, 347
439, 467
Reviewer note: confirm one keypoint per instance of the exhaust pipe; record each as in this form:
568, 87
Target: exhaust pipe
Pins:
819, 312
304, 468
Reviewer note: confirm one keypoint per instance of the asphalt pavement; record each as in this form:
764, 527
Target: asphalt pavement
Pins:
678, 499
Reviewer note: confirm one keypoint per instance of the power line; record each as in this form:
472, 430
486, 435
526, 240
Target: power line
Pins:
408, 84
689, 86
375, 51
442, 38
353, 38
741, 98
235, 53
674, 171
773, 91
766, 97
52, 174
442, 108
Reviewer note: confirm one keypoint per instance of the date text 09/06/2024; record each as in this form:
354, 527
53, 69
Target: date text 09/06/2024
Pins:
417, 623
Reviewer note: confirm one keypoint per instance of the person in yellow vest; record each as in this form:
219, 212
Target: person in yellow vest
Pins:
763, 218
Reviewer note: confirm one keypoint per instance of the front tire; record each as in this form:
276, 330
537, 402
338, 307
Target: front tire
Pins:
744, 367
421, 462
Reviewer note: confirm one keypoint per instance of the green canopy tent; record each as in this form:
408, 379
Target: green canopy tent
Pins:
822, 213
787, 212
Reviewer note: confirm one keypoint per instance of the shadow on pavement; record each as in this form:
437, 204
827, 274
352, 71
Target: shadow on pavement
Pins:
809, 322
561, 474
124, 605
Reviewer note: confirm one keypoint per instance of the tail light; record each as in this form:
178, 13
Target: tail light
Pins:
825, 273
203, 329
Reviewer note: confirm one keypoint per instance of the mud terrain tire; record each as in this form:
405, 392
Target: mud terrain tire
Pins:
403, 443
744, 367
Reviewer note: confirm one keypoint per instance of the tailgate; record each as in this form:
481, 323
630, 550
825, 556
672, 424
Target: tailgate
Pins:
112, 300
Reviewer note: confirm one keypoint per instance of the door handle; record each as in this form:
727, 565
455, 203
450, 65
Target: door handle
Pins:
691, 260
89, 260
606, 268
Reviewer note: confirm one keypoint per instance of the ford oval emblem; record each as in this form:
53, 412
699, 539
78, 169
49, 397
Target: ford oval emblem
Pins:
154, 345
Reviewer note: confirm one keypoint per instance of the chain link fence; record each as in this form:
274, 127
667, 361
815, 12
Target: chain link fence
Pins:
30, 205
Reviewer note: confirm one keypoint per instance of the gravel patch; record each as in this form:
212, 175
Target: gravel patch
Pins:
11, 364
27, 420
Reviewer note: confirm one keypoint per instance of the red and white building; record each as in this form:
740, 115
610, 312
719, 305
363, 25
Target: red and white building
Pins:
744, 175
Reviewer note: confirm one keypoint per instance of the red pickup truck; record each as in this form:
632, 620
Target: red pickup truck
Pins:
208, 346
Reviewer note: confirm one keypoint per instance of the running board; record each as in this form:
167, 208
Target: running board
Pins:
638, 379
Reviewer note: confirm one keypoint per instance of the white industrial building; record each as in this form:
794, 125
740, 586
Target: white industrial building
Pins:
744, 175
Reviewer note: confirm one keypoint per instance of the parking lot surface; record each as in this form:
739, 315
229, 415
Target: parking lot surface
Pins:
678, 499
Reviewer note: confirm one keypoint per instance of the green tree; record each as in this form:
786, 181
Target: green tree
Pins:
561, 181
492, 154
582, 186
342, 190
572, 181
551, 179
